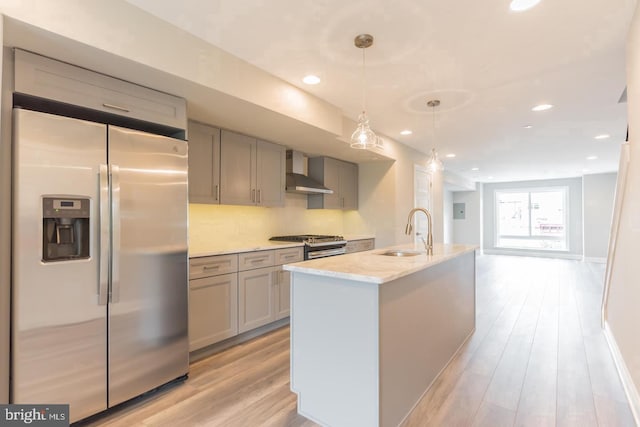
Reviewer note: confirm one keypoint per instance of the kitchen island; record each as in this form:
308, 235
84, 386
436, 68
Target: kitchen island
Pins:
371, 332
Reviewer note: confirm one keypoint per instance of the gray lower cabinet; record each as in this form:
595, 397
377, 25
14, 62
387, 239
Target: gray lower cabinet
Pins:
283, 293
252, 172
204, 163
213, 310
339, 176
256, 306
213, 299
235, 293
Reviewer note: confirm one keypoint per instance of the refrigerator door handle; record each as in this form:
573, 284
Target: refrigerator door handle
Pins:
103, 280
114, 292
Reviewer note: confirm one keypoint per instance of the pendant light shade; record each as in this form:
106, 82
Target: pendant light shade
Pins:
363, 137
434, 164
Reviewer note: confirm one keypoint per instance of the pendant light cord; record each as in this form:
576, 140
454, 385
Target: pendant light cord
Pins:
433, 116
364, 83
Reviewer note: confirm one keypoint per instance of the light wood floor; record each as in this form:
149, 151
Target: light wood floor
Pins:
538, 357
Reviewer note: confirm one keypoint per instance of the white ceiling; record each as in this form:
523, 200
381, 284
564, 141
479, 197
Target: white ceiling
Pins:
488, 66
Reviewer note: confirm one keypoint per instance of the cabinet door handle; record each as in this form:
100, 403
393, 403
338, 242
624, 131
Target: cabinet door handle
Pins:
259, 196
217, 192
253, 196
211, 267
115, 107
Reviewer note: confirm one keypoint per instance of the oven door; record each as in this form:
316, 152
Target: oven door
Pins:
322, 252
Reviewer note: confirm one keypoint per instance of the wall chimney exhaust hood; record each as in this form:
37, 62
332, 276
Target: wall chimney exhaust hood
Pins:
297, 181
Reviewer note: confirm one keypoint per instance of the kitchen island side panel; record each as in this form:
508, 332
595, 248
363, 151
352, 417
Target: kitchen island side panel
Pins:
424, 319
334, 350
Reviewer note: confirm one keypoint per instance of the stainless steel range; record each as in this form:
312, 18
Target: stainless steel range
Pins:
317, 245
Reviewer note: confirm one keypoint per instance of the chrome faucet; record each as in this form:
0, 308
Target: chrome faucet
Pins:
428, 245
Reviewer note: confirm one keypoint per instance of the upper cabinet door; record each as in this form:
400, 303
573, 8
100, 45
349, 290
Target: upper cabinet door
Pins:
204, 164
270, 171
349, 185
46, 78
339, 176
237, 169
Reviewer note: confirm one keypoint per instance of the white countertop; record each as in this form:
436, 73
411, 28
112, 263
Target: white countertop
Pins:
261, 245
235, 247
372, 267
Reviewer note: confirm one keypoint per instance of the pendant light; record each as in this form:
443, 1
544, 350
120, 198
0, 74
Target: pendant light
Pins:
434, 164
364, 137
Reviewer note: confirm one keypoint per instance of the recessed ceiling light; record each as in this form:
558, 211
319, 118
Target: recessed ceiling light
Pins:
406, 132
489, 177
586, 170
311, 79
542, 107
527, 126
592, 157
475, 169
450, 155
603, 136
522, 5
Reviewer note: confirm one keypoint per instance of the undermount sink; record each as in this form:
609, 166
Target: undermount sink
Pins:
401, 253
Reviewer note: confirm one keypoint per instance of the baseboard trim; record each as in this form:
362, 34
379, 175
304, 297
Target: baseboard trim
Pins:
599, 260
627, 382
562, 255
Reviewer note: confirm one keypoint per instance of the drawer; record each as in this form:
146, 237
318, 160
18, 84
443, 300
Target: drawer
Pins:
258, 259
212, 266
359, 245
289, 255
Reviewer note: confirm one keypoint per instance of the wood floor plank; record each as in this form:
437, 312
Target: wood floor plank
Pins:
490, 415
575, 402
537, 404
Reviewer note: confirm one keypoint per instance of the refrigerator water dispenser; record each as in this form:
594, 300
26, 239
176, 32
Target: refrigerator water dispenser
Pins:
65, 228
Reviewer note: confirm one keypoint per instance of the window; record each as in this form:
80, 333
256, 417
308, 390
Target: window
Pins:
532, 219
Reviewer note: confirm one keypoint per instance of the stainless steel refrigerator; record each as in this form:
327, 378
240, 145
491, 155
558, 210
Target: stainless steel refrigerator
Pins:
99, 288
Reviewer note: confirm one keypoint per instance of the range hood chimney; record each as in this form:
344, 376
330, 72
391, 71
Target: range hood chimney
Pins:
297, 181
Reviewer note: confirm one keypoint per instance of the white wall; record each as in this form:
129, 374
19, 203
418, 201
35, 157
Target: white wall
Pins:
448, 216
386, 197
575, 214
469, 230
597, 197
623, 313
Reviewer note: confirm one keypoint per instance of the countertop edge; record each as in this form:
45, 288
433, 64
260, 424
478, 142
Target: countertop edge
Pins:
265, 246
245, 248
300, 267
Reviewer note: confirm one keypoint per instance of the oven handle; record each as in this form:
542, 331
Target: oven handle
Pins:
326, 253
320, 244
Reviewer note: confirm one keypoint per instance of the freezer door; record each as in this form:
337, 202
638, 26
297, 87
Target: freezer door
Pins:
59, 327
148, 339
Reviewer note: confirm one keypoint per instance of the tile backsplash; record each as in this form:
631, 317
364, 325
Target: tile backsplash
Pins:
211, 224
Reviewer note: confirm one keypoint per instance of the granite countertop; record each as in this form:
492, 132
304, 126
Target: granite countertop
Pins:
372, 267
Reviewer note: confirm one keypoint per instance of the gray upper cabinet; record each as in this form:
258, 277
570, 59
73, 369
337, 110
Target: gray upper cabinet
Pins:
270, 174
204, 164
252, 172
50, 79
337, 175
237, 169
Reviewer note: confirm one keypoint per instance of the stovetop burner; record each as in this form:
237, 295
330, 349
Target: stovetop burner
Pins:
308, 238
